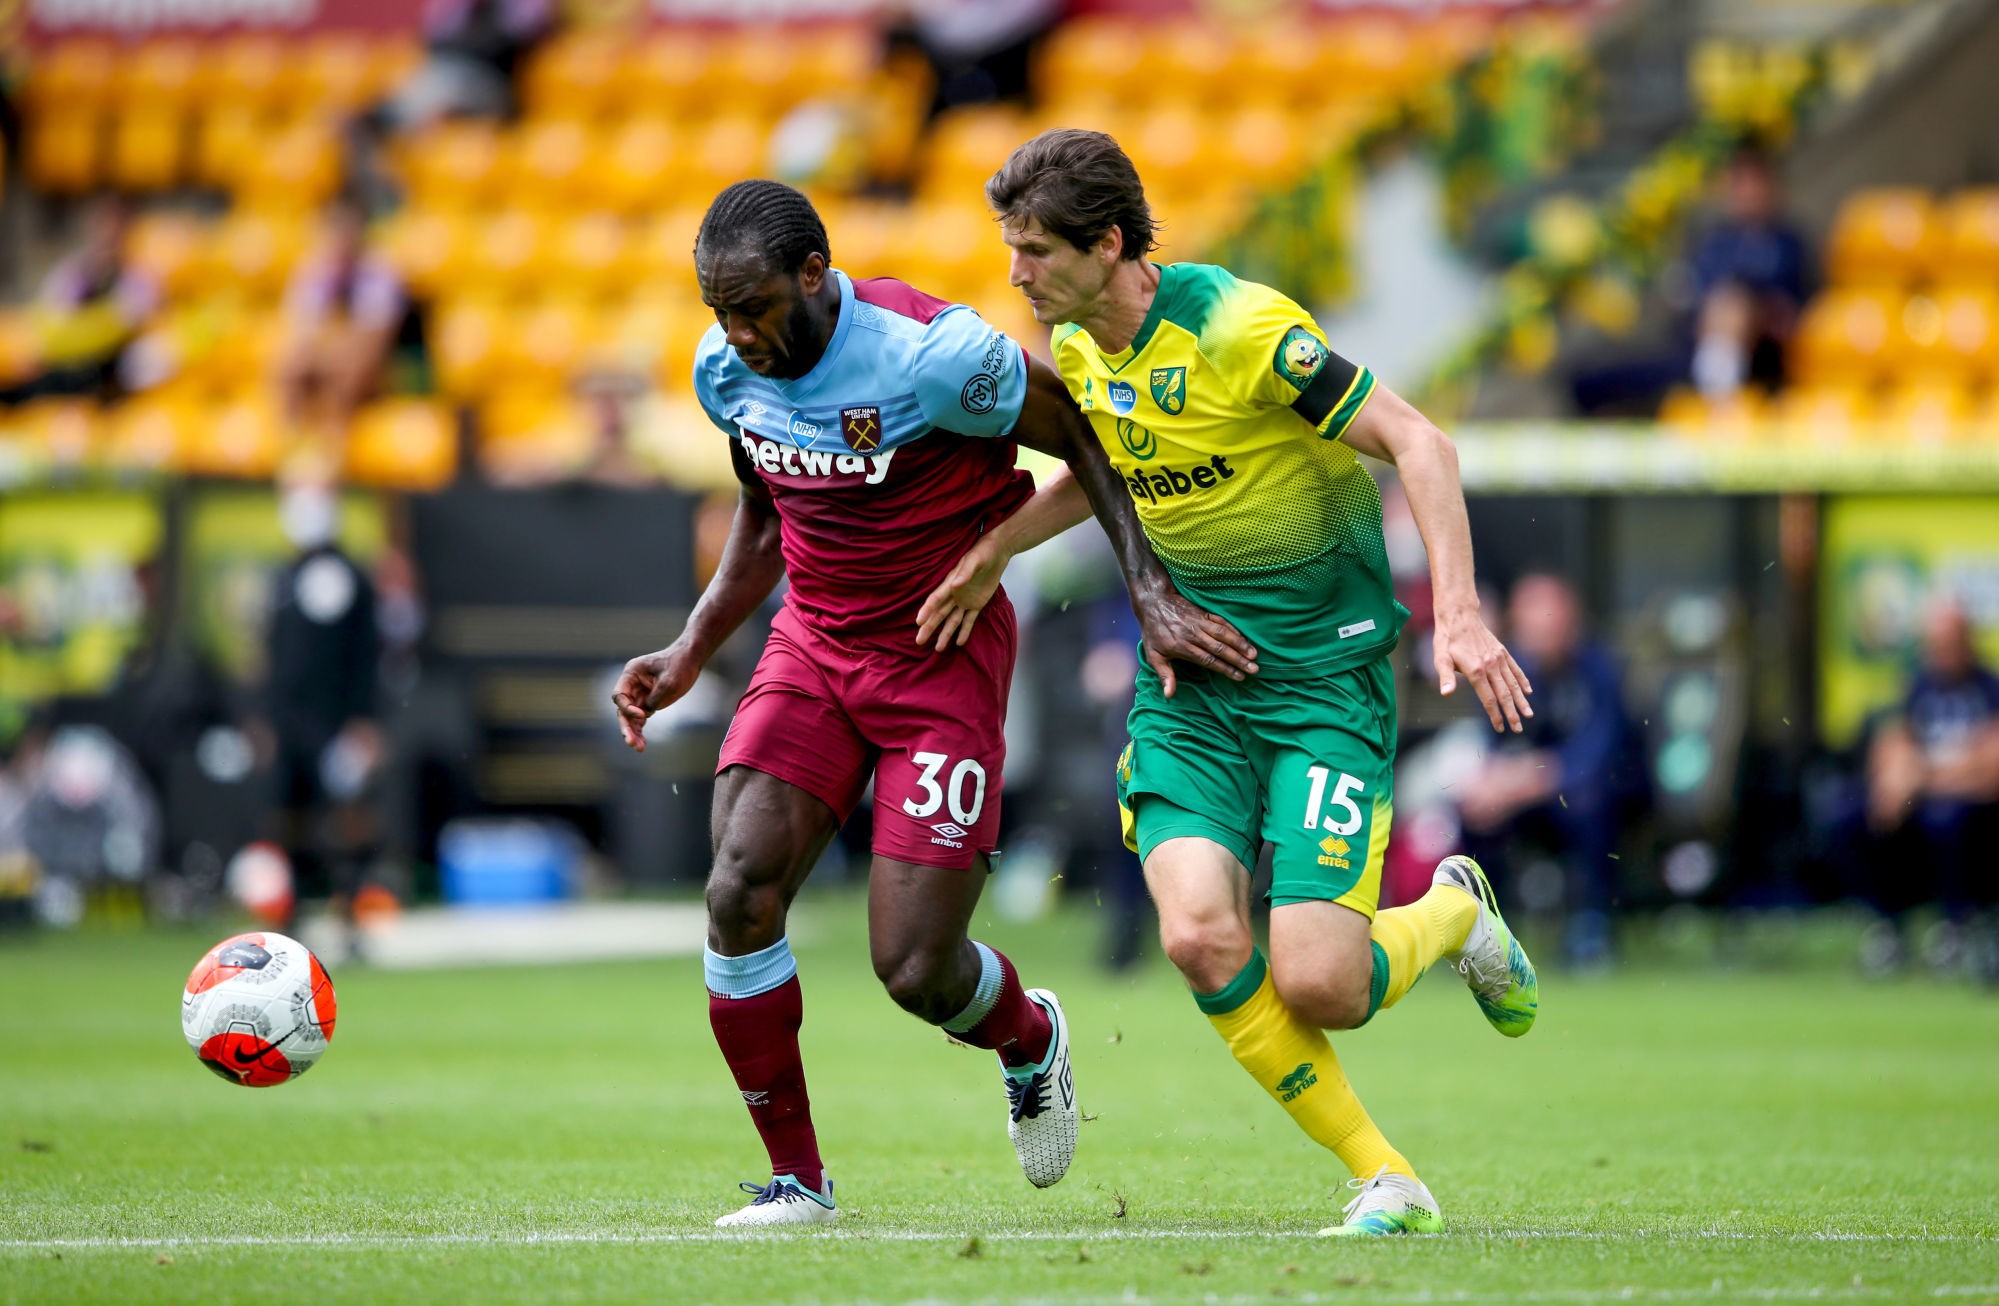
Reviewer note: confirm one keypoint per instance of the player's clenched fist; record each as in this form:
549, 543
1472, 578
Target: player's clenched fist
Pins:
648, 684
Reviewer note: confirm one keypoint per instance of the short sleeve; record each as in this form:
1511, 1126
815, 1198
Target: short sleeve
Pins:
1283, 359
970, 378
707, 369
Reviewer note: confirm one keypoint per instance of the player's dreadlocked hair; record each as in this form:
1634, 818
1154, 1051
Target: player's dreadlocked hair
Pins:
770, 219
1077, 185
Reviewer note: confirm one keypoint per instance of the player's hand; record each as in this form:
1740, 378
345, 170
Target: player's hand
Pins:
648, 684
1463, 646
948, 615
1171, 628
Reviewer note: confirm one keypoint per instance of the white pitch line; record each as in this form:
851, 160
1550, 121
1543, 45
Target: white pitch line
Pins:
558, 1237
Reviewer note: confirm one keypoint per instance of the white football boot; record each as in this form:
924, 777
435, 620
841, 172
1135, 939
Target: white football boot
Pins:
1041, 1103
1387, 1203
783, 1201
1494, 965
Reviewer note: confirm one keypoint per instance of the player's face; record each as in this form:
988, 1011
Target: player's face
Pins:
1062, 283
764, 313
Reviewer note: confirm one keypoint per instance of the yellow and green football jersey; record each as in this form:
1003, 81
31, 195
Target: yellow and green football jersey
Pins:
1224, 417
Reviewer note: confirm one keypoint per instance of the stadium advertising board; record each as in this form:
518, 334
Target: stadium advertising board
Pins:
1883, 558
70, 579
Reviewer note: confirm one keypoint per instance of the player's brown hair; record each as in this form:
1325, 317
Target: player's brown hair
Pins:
1077, 185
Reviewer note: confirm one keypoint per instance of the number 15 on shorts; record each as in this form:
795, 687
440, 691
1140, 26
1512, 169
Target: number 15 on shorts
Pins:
1344, 816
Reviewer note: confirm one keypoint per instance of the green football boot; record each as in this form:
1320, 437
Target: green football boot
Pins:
1387, 1203
1492, 961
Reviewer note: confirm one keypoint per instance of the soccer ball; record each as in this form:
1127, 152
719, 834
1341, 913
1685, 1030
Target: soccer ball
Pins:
258, 1009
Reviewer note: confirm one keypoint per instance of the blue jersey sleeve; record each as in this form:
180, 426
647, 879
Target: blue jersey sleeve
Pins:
709, 356
969, 377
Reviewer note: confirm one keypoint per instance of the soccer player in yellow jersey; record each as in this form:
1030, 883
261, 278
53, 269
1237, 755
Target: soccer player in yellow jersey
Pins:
1236, 427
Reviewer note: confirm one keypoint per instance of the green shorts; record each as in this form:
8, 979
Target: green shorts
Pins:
1306, 764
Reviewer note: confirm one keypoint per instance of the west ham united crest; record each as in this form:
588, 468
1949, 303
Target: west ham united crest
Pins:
861, 428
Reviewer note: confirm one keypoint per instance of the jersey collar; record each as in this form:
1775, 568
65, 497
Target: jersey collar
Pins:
1155, 314
805, 385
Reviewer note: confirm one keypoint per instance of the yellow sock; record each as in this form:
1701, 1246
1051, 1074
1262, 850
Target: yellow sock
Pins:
1408, 940
1295, 1064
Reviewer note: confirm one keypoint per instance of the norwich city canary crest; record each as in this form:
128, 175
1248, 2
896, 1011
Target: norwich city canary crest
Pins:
1169, 389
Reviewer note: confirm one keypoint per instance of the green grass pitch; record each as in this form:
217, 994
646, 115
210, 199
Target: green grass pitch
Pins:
568, 1134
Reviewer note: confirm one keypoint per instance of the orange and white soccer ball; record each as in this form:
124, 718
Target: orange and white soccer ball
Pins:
258, 1009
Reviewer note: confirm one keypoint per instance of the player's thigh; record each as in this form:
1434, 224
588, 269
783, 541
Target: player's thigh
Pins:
938, 725
1329, 751
768, 836
919, 917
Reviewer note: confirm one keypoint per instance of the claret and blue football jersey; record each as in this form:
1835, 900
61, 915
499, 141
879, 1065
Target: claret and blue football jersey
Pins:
888, 459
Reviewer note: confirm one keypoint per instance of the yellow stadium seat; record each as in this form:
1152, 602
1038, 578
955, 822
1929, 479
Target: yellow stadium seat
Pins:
339, 72
66, 431
403, 444
1095, 56
576, 75
63, 154
723, 150
20, 347
594, 256
837, 62
1370, 54
1824, 414
424, 244
1927, 412
1953, 336
74, 76
671, 73
1191, 61
227, 142
148, 148
512, 250
1265, 144
1970, 222
533, 435
662, 250
547, 164
1883, 237
150, 433
240, 438
759, 67
250, 74
635, 167
467, 343
550, 341
297, 168
967, 146
252, 252
160, 76
455, 165
170, 248
1174, 154
1848, 335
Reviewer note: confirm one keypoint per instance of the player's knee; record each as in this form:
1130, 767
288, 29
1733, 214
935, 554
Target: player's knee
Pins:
1209, 951
1328, 1001
745, 903
915, 981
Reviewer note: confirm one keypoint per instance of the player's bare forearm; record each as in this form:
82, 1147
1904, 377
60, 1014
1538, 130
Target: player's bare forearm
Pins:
752, 564
1058, 505
1389, 429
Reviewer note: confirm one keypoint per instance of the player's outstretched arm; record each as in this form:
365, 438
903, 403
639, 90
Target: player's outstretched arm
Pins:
1171, 627
1389, 429
752, 563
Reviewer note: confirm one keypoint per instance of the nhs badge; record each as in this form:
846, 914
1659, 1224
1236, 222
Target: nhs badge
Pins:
805, 432
1123, 395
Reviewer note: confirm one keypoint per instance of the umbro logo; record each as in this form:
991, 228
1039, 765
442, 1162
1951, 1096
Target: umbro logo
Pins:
950, 830
756, 1096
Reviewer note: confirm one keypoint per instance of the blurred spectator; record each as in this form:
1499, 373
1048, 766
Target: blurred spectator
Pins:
1562, 783
344, 310
1751, 276
320, 699
1933, 797
979, 50
92, 304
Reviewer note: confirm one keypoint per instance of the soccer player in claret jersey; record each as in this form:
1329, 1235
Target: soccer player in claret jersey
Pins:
1235, 426
873, 429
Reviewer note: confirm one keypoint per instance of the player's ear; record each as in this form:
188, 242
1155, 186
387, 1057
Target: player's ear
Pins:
812, 273
1110, 247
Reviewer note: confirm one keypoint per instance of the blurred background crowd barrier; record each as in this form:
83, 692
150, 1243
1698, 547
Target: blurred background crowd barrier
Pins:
347, 446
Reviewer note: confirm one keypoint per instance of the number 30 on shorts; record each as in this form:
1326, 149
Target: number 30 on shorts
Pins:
952, 791
1341, 802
